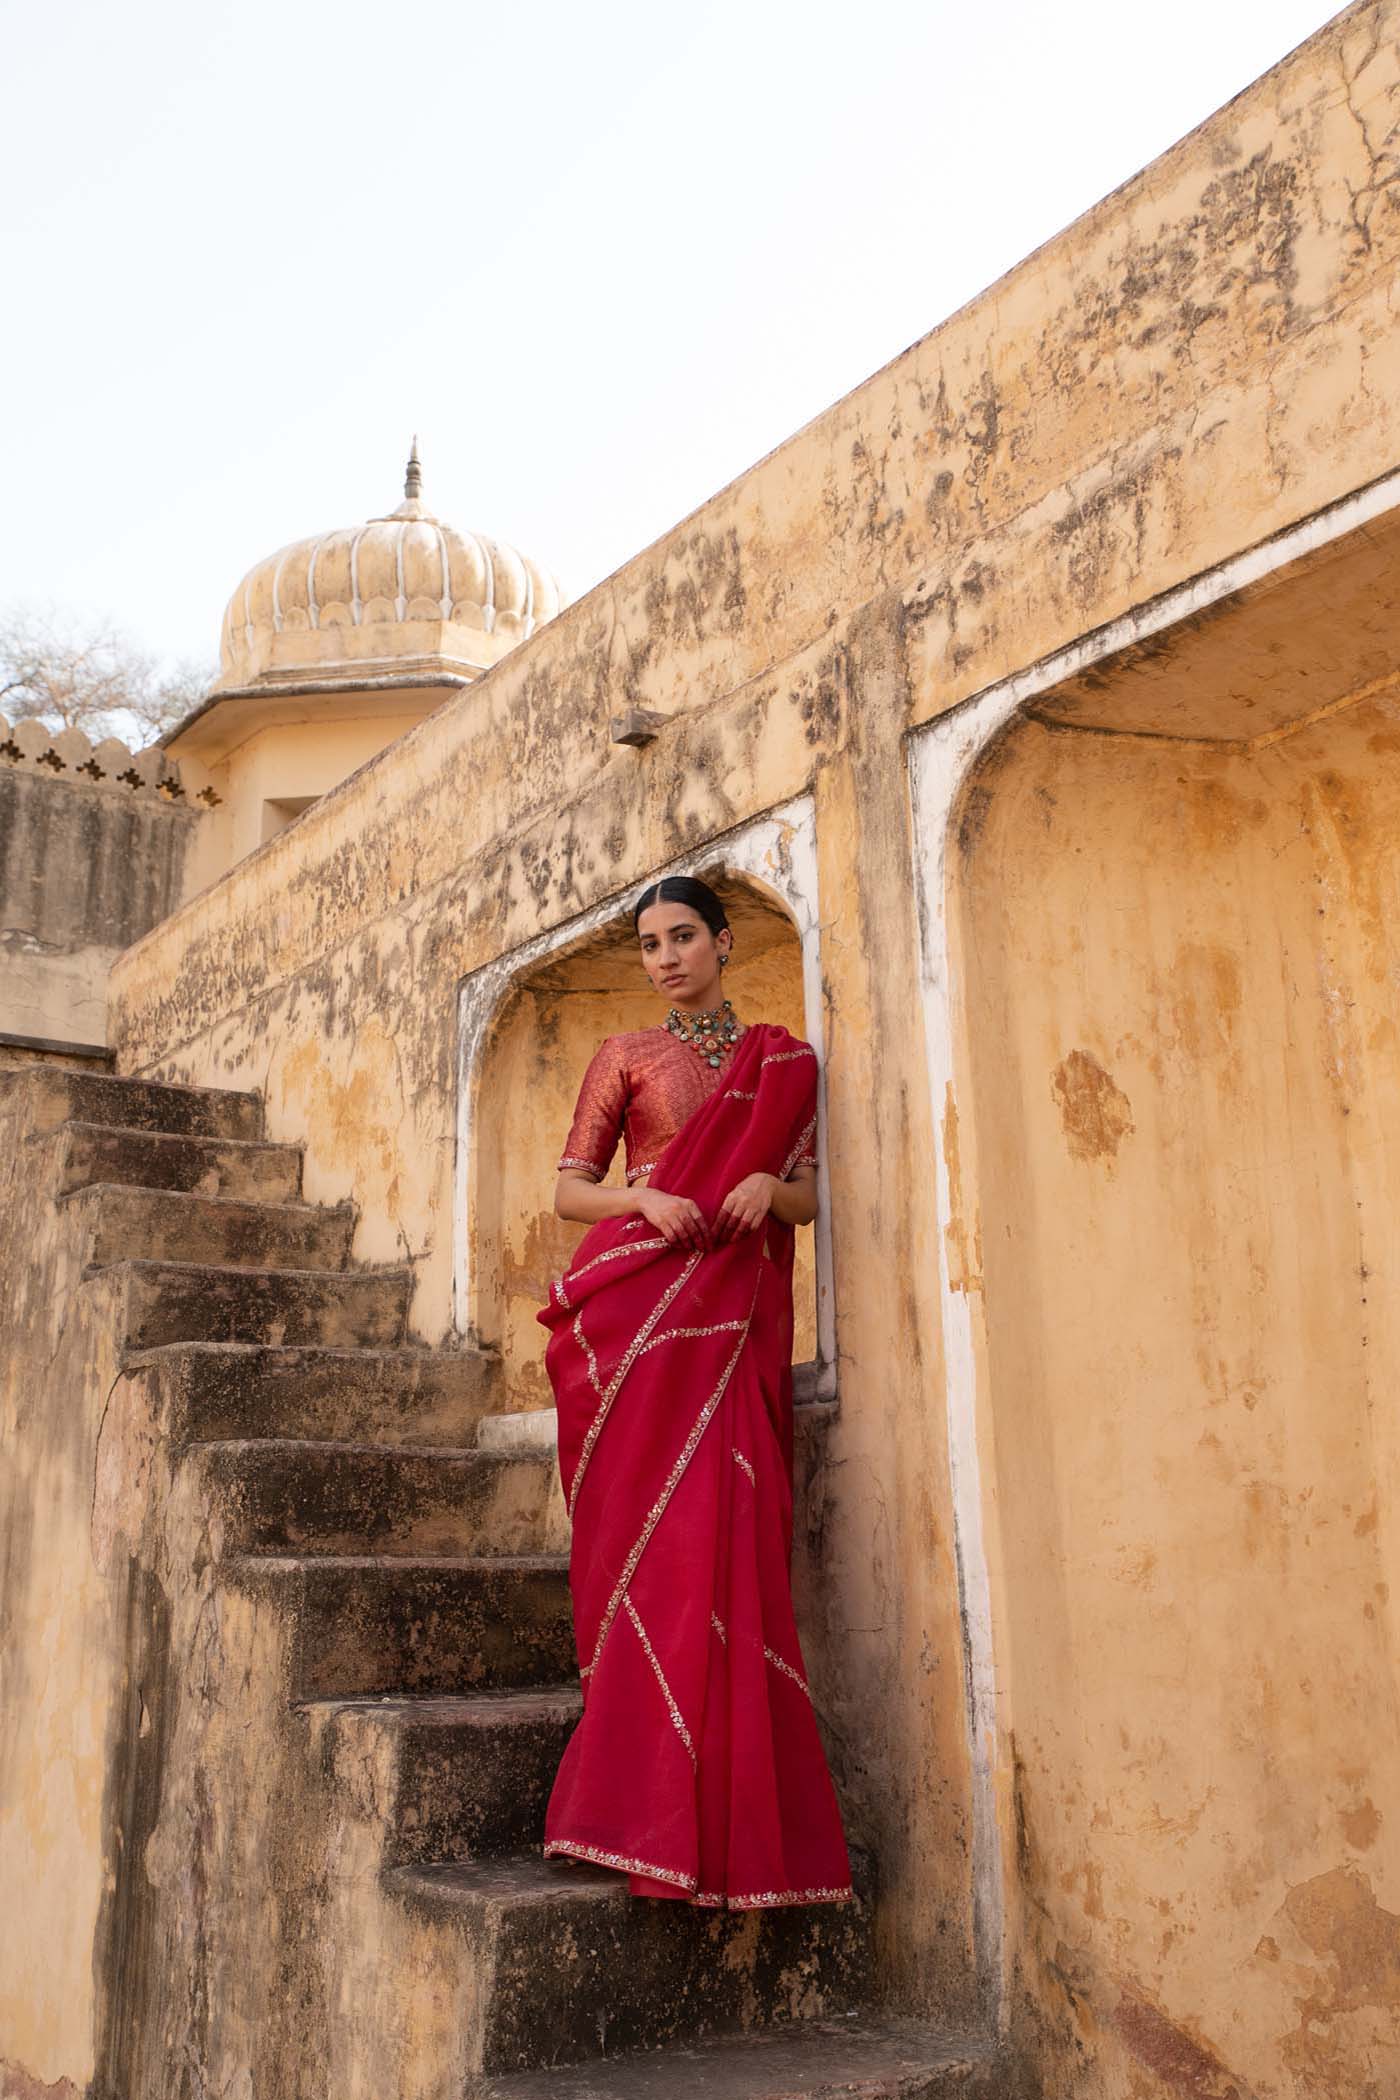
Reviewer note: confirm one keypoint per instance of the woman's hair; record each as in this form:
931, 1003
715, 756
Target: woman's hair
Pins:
684, 889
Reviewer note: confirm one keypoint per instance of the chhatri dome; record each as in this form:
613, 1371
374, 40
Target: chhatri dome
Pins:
331, 649
383, 596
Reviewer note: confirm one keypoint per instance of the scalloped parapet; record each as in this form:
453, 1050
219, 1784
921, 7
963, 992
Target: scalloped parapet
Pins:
72, 756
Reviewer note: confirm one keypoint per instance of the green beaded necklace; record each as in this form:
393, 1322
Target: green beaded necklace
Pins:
709, 1034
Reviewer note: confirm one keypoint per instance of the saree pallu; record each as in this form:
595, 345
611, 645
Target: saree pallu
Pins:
697, 1768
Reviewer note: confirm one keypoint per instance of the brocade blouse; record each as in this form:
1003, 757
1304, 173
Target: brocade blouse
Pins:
642, 1086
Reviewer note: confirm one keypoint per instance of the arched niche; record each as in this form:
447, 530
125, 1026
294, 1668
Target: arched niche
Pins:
1162, 987
529, 1025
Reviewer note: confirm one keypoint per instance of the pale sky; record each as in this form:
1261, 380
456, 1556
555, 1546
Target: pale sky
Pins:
601, 258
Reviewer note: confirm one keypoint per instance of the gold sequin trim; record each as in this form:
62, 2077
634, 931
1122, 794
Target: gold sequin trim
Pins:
611, 1254
693, 1334
677, 1717
766, 1899
634, 1349
619, 1860
745, 1467
658, 1508
785, 1057
592, 1165
775, 1899
717, 1622
797, 1149
582, 1339
788, 1671
636, 1173
737, 1093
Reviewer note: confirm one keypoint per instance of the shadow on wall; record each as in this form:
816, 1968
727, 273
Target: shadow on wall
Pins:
1180, 961
546, 1029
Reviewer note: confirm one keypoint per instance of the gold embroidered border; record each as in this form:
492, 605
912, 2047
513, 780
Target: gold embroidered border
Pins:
611, 1254
633, 1350
587, 1347
636, 1173
619, 1860
658, 1508
569, 1161
693, 1334
792, 1157
678, 1719
737, 1093
785, 1057
744, 1466
717, 1622
788, 1671
766, 1899
775, 1899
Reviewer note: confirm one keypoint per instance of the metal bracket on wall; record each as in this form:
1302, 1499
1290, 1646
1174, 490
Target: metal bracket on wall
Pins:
636, 726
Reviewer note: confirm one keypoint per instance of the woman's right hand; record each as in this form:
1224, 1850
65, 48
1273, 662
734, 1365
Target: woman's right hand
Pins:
676, 1218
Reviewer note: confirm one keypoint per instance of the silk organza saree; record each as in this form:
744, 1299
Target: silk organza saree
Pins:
697, 1768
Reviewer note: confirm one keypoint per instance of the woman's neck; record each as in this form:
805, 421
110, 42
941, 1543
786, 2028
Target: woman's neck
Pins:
706, 1003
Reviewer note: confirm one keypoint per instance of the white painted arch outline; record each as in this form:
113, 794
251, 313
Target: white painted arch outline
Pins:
777, 853
942, 754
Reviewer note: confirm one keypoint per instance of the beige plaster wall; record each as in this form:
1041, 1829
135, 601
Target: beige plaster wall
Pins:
1182, 1059
238, 771
1206, 358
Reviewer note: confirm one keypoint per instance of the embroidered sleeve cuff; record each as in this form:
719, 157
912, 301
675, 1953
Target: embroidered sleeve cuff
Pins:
588, 1166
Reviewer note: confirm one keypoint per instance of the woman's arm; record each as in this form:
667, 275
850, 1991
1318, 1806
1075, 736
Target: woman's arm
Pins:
676, 1218
758, 1196
795, 1200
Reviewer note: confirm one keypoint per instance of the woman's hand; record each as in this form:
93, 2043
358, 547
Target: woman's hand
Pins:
676, 1218
746, 1206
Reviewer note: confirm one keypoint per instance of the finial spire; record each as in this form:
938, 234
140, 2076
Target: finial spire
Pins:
413, 479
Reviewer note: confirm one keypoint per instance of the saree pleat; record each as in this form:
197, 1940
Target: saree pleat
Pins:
697, 1768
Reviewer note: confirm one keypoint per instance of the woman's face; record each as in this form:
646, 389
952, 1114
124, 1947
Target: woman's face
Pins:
680, 954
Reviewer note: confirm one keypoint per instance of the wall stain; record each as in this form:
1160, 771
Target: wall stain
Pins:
1183, 2064
1095, 1112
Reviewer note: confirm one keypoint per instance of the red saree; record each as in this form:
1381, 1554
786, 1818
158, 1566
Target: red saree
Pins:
697, 1768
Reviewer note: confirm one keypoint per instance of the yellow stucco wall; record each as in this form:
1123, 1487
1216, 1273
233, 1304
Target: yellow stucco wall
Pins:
1181, 1063
1207, 358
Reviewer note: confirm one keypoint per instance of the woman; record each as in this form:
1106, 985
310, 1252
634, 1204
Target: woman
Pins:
697, 1769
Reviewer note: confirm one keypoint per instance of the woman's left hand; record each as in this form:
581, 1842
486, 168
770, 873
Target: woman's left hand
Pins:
746, 1207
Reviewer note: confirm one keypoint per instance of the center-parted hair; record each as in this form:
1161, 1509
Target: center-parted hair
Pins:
684, 889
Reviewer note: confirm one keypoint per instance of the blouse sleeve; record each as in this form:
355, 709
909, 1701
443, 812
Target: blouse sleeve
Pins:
598, 1116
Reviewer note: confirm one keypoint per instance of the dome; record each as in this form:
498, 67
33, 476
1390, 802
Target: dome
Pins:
398, 588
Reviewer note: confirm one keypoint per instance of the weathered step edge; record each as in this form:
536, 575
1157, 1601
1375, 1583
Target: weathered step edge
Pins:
402, 1397
864, 2055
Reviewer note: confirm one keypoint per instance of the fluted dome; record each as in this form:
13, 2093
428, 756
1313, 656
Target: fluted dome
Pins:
401, 587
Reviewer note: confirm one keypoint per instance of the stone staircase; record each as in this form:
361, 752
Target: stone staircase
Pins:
353, 1651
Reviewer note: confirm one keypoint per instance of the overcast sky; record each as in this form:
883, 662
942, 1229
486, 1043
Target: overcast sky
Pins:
600, 257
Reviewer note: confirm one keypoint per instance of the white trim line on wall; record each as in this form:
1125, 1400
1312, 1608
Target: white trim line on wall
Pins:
779, 852
942, 754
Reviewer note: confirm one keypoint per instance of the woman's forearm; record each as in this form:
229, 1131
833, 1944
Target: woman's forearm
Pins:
584, 1202
795, 1201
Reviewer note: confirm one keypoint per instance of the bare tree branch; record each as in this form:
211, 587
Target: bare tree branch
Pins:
71, 673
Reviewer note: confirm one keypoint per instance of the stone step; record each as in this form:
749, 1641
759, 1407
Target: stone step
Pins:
286, 1496
175, 1225
865, 2056
384, 1627
565, 1962
246, 1168
456, 1779
64, 1094
207, 1391
169, 1301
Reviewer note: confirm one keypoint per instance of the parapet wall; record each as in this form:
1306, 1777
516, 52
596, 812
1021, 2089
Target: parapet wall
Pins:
93, 840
